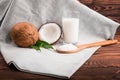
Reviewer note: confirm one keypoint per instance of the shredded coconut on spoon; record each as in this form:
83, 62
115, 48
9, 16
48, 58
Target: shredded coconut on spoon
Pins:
67, 47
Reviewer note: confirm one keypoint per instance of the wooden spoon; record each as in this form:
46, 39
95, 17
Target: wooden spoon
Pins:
81, 47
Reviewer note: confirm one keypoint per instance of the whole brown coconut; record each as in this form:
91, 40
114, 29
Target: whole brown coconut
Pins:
24, 34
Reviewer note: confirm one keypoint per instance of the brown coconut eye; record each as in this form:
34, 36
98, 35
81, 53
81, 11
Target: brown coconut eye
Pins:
24, 34
50, 32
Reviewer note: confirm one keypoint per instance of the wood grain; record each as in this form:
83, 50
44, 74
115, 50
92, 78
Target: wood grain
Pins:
109, 8
103, 65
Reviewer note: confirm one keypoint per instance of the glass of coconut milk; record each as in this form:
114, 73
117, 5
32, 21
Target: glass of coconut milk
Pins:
70, 26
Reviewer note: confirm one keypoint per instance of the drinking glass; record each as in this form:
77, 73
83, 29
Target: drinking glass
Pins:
70, 26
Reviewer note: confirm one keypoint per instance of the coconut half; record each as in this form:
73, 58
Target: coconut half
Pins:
50, 32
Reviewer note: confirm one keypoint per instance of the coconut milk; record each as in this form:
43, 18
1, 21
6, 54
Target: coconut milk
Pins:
70, 29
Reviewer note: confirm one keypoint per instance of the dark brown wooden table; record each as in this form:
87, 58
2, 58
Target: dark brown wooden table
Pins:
103, 65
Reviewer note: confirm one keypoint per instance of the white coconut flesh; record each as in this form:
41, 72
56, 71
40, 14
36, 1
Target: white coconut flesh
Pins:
50, 32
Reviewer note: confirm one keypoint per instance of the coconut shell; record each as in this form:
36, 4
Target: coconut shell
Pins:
24, 34
57, 40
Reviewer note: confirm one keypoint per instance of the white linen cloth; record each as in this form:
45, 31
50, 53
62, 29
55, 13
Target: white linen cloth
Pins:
93, 27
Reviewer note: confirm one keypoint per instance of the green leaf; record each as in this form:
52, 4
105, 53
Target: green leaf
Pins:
35, 47
46, 45
41, 44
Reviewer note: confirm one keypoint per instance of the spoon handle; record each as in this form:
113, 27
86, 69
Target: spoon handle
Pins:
101, 43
